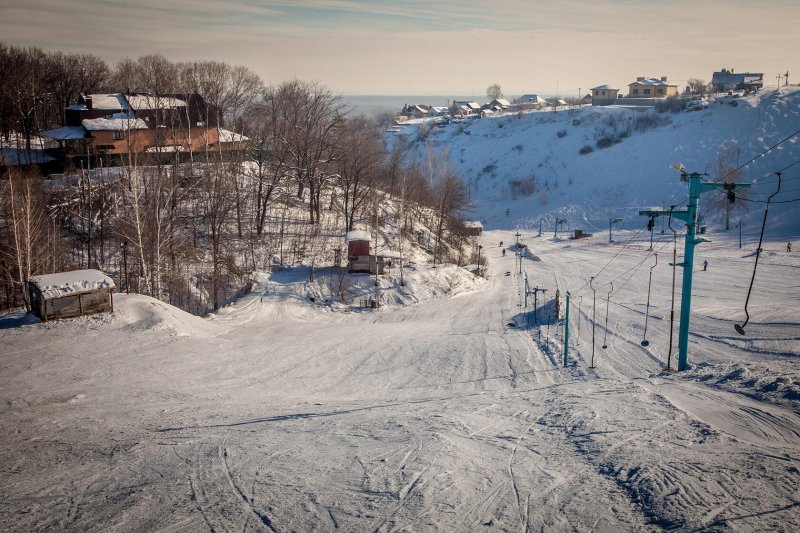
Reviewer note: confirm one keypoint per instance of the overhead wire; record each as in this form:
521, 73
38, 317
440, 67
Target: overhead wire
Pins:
765, 152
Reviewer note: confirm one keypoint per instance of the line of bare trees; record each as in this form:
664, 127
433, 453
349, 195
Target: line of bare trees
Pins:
192, 228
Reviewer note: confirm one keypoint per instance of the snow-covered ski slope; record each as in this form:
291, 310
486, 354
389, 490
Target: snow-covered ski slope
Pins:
632, 173
278, 414
453, 412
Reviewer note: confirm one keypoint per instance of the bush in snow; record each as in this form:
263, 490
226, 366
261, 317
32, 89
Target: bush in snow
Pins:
561, 134
605, 142
586, 150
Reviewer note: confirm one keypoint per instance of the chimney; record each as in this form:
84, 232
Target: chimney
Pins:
639, 78
88, 100
664, 79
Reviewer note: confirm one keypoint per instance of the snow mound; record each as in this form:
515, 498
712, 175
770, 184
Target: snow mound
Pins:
142, 313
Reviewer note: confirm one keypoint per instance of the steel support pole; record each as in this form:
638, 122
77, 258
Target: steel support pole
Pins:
566, 332
688, 267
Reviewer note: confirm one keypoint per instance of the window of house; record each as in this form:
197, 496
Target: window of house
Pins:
636, 91
647, 91
661, 91
604, 93
119, 136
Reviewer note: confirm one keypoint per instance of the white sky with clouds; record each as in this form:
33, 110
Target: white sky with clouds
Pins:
430, 47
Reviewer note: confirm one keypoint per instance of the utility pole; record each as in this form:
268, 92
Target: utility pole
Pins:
540, 227
558, 221
124, 246
689, 215
566, 332
517, 235
594, 309
740, 233
610, 223
536, 291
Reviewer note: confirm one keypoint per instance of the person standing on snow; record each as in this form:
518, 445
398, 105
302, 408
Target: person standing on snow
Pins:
789, 246
705, 264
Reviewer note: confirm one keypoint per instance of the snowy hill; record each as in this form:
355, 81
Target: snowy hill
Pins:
632, 172
452, 408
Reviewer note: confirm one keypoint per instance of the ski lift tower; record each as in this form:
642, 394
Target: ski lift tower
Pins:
689, 215
611, 222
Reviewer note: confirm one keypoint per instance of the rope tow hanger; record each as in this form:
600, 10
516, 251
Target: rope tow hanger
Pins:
646, 342
740, 329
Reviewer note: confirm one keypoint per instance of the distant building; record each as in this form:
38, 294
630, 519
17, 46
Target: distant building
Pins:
70, 294
118, 124
651, 88
604, 95
530, 99
359, 259
587, 99
726, 80
473, 228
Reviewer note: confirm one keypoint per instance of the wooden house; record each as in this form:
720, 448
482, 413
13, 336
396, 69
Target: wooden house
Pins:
473, 228
71, 294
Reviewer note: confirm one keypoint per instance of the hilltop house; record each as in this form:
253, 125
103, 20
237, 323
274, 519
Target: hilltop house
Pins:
530, 100
726, 80
604, 95
465, 107
651, 88
117, 124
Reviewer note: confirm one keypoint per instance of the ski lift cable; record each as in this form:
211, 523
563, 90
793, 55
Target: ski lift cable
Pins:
627, 243
765, 152
740, 328
779, 170
637, 266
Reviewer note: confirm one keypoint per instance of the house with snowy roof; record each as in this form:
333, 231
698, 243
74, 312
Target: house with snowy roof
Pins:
727, 80
651, 88
530, 100
604, 95
118, 124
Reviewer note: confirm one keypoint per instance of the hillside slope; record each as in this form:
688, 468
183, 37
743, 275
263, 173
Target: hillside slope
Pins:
633, 172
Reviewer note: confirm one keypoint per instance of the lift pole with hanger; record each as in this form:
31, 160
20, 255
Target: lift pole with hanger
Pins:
689, 215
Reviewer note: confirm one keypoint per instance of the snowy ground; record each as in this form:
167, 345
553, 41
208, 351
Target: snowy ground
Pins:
281, 414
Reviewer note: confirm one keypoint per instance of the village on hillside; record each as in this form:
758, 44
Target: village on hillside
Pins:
643, 93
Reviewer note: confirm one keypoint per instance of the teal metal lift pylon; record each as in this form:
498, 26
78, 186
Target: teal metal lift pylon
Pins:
689, 215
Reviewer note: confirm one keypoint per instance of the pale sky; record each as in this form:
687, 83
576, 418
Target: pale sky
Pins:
430, 47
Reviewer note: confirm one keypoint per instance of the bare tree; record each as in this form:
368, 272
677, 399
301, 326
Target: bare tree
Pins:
493, 91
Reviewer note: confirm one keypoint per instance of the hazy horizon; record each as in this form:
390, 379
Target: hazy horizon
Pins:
369, 48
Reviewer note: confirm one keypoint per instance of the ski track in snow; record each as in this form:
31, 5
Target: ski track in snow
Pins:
276, 414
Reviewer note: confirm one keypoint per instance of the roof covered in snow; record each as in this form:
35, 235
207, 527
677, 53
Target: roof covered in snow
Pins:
113, 124
356, 235
651, 82
473, 224
605, 87
152, 101
111, 102
227, 136
66, 133
74, 282
530, 99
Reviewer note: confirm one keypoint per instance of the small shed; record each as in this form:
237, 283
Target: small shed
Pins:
473, 228
357, 251
71, 294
